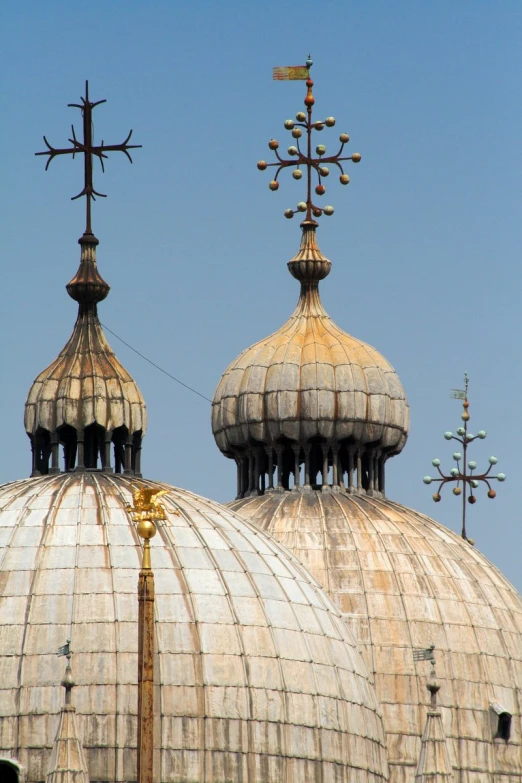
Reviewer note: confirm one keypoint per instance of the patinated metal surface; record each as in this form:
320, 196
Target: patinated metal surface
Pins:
403, 581
257, 677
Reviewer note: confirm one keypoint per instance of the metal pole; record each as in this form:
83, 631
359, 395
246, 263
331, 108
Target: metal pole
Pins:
146, 669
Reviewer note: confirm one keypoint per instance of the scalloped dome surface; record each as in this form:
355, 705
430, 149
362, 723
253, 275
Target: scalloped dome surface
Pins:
258, 678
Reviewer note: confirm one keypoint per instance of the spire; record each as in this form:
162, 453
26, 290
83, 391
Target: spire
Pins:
67, 763
85, 400
434, 764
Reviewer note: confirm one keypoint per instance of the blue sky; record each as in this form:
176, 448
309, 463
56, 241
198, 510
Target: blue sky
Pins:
425, 242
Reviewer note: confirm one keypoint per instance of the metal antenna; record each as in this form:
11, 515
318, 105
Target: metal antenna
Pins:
301, 159
464, 470
88, 149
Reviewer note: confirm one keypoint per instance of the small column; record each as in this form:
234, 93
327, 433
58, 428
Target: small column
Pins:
55, 467
335, 468
270, 455
371, 474
238, 473
244, 476
307, 484
297, 467
381, 474
279, 454
137, 459
351, 468
34, 459
80, 464
359, 471
324, 479
257, 471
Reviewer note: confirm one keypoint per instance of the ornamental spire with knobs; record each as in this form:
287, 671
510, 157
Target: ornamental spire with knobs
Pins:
464, 470
305, 159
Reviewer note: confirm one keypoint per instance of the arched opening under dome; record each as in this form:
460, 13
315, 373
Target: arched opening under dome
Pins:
10, 771
502, 722
317, 465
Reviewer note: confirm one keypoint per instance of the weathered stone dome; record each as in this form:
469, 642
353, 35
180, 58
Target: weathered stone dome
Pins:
258, 678
402, 581
308, 390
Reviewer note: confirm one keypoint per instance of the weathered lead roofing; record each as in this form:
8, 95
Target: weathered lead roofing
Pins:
402, 581
258, 678
85, 386
310, 382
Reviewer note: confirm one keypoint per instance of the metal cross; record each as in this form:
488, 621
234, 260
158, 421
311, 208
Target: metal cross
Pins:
88, 149
307, 159
464, 470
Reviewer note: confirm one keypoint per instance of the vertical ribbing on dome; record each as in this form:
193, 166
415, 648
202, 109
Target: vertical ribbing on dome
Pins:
86, 400
434, 763
68, 764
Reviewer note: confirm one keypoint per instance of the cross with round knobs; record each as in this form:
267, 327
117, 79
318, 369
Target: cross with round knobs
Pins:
301, 159
464, 470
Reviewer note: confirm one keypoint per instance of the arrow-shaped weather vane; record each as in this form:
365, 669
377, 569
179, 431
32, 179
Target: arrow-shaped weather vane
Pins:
301, 159
464, 471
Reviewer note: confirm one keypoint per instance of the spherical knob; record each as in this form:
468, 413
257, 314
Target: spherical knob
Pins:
289, 124
317, 212
344, 138
472, 465
344, 179
273, 184
297, 174
457, 491
448, 435
474, 483
301, 206
469, 437
300, 116
457, 455
261, 165
454, 472
320, 190
297, 133
325, 171
436, 497
472, 499
501, 476
465, 416
356, 157
482, 434
329, 122
146, 528
293, 151
492, 494
427, 479
320, 149
289, 213
435, 463
471, 541
493, 460
319, 126
328, 210
461, 431
273, 144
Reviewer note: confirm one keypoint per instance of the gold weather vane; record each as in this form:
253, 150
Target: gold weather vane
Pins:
464, 470
89, 150
306, 159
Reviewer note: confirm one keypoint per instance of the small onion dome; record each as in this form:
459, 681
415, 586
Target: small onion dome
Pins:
85, 395
310, 381
257, 678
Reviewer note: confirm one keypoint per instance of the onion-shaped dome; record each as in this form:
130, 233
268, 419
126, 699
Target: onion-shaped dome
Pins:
258, 678
402, 581
85, 399
310, 395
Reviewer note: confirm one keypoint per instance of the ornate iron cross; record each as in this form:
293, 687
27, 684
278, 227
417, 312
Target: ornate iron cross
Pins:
89, 150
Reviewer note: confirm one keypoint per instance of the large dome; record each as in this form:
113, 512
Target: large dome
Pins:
403, 581
258, 678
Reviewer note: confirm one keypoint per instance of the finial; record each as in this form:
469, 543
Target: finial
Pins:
146, 511
67, 679
88, 149
433, 686
307, 160
464, 470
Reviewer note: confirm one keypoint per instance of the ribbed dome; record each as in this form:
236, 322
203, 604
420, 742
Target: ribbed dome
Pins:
258, 678
85, 399
402, 581
310, 385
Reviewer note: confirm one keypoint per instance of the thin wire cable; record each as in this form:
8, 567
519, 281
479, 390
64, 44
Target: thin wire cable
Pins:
157, 366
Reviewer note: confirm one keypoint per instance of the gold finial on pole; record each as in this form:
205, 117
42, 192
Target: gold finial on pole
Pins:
146, 511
